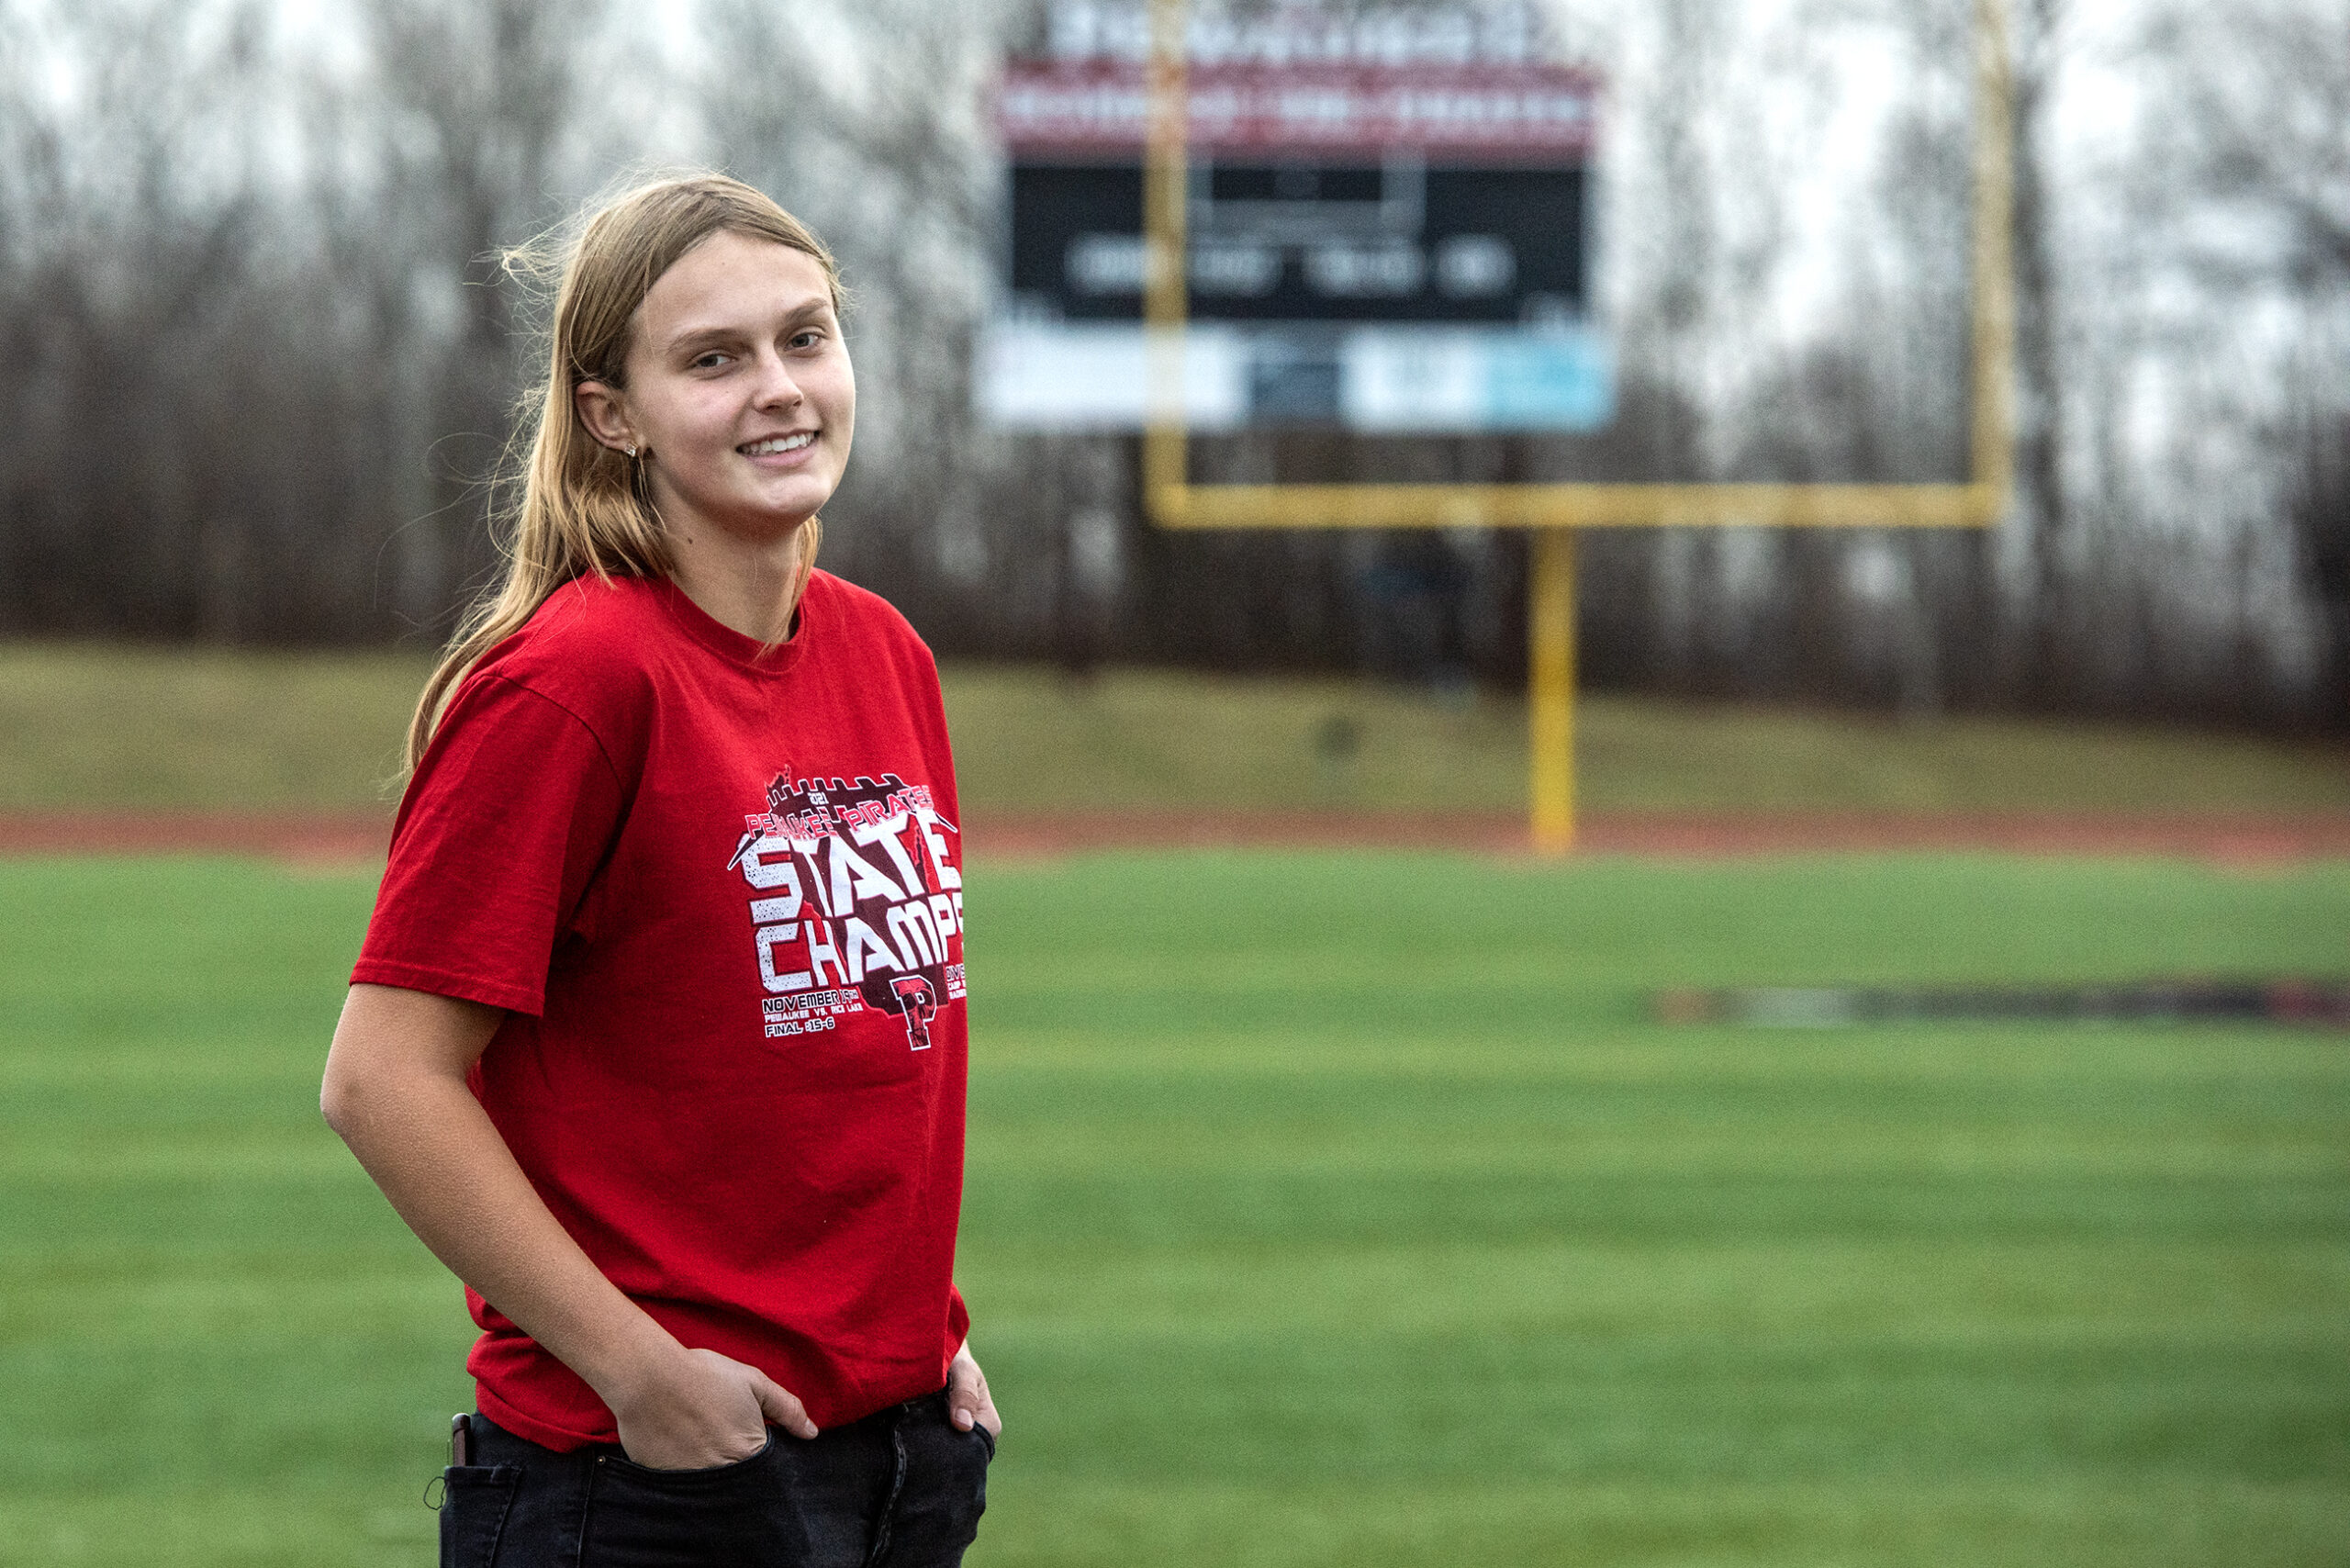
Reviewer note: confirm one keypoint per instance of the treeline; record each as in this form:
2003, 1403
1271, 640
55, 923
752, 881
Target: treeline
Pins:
261, 357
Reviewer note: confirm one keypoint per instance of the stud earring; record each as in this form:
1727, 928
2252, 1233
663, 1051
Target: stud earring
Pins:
631, 451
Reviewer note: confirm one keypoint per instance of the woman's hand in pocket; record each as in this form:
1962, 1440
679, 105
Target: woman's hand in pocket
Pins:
969, 1403
700, 1409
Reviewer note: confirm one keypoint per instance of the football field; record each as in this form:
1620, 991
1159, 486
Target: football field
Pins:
1322, 1209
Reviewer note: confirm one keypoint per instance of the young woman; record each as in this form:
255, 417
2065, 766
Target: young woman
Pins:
657, 1035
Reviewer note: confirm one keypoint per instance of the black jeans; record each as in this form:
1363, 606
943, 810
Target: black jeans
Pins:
900, 1489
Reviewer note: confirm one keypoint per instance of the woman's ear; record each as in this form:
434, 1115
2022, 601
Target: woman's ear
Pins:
605, 413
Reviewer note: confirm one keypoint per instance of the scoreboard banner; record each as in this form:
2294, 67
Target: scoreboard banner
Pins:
1045, 374
1512, 113
1377, 239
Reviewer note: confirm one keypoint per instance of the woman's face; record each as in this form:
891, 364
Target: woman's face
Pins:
739, 391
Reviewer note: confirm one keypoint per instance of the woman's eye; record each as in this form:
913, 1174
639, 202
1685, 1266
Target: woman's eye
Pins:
807, 340
709, 360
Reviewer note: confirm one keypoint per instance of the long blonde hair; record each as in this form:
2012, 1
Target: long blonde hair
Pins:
580, 505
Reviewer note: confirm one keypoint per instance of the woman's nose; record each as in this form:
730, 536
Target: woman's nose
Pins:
776, 389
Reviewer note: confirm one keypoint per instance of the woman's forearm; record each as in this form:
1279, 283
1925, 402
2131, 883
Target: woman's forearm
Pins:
395, 1090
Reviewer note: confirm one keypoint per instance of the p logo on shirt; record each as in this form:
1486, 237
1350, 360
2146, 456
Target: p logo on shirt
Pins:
919, 1004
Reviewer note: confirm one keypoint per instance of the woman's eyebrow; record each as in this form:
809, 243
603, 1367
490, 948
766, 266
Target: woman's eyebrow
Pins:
696, 337
813, 308
693, 337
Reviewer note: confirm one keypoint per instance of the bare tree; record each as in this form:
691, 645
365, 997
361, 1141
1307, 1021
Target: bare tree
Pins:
1915, 297
2248, 177
115, 316
2035, 71
479, 94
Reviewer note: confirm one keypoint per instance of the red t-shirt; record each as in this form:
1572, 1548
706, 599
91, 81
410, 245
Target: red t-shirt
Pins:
718, 892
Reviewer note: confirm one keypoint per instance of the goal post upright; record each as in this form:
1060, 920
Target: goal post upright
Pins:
1551, 689
1555, 510
1166, 179
1991, 290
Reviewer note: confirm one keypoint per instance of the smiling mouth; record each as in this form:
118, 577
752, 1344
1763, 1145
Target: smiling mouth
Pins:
777, 444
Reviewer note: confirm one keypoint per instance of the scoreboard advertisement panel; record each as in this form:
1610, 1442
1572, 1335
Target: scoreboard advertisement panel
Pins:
1378, 238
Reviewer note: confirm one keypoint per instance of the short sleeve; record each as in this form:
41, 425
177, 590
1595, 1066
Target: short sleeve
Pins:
503, 824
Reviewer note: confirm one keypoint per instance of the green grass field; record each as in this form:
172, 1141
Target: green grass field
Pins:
1322, 1210
92, 727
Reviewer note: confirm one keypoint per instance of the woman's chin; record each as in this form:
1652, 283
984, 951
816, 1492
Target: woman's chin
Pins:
766, 518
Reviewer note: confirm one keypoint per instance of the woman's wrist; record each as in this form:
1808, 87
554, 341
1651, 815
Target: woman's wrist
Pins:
643, 1358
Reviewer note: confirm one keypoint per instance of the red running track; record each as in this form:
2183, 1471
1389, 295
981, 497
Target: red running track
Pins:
357, 837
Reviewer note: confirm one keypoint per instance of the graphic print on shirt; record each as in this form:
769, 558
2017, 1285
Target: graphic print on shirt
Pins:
857, 903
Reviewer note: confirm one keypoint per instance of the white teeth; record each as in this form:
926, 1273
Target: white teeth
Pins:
780, 443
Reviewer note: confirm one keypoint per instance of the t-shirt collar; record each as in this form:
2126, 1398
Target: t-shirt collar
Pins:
733, 646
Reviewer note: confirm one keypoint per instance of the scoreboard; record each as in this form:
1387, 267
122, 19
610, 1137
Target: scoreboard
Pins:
1373, 243
1298, 240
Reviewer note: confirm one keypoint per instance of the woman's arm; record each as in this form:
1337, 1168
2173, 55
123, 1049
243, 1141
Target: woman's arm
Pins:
396, 1092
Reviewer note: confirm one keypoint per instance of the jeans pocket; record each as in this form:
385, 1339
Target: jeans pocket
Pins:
620, 1465
473, 1512
936, 1514
724, 1516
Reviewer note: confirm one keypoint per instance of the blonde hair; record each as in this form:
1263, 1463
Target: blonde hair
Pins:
581, 507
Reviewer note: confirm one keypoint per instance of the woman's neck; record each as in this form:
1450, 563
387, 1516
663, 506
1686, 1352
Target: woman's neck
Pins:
744, 586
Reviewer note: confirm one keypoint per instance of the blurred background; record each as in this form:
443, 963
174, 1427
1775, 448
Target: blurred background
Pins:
262, 361
1346, 1185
